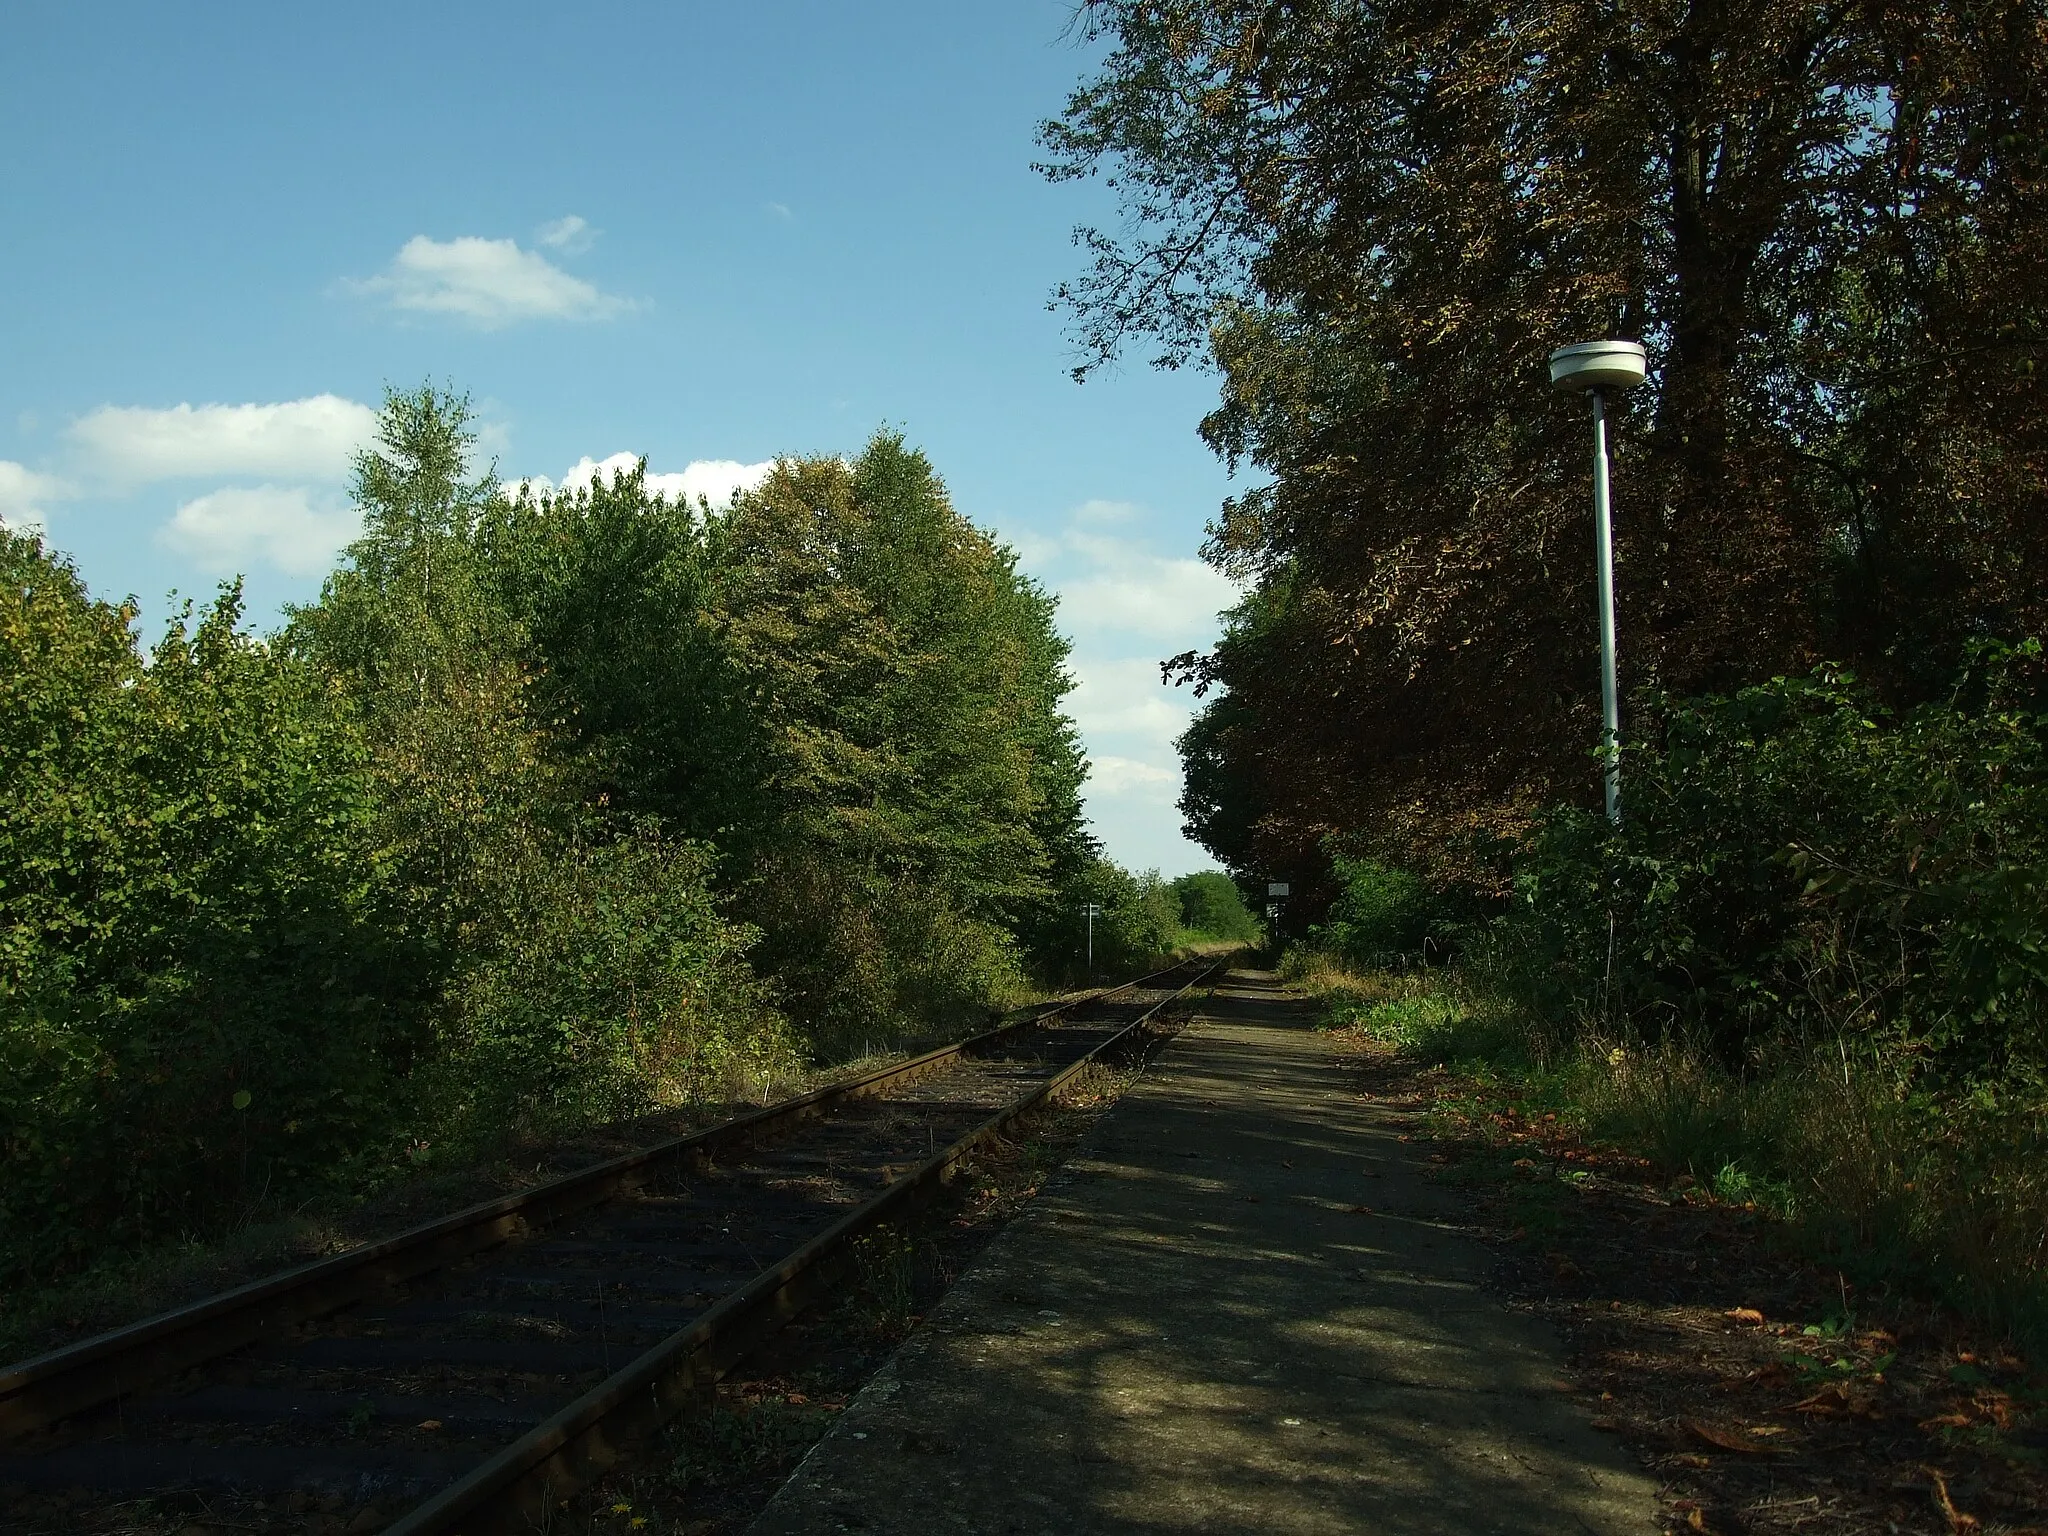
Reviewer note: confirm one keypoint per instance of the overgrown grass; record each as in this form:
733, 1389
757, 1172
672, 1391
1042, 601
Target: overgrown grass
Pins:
1929, 1192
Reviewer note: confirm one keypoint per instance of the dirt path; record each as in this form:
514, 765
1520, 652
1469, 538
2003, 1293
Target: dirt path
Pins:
1244, 1307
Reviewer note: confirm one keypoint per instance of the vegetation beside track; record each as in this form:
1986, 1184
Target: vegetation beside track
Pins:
554, 810
1772, 1381
126, 1286
1786, 1252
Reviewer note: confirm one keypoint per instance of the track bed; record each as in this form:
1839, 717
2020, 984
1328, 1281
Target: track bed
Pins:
388, 1401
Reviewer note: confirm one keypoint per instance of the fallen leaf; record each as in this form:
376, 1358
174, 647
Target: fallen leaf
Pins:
1745, 1315
1727, 1439
430, 1423
1847, 1398
1958, 1522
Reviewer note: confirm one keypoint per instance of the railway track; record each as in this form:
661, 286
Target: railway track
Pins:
468, 1374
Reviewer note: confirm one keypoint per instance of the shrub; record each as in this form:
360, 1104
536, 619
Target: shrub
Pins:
199, 992
1212, 906
1382, 916
609, 983
1796, 862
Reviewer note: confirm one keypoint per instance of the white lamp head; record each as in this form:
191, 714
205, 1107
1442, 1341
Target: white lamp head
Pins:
1615, 365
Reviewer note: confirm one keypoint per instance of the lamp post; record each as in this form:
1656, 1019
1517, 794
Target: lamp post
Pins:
1593, 368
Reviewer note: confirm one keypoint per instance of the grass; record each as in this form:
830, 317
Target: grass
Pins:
1923, 1190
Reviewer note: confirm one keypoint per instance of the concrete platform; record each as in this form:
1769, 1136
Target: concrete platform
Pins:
1195, 1329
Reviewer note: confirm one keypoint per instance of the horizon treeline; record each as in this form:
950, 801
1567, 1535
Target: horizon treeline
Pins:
551, 809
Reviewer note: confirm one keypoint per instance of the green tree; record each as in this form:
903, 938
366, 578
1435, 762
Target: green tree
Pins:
920, 800
200, 994
580, 961
1212, 905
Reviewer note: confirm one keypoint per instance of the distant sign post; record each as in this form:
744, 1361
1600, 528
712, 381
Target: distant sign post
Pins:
1275, 889
1092, 912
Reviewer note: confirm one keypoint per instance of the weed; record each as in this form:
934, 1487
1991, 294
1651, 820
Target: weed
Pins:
1944, 1193
735, 1443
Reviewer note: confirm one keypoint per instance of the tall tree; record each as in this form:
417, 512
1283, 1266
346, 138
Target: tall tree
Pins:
921, 784
1377, 216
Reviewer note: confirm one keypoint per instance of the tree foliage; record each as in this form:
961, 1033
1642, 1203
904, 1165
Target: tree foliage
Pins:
1211, 905
200, 978
549, 810
1377, 217
1801, 863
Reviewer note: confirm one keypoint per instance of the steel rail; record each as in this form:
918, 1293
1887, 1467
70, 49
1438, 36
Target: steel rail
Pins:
516, 1489
38, 1392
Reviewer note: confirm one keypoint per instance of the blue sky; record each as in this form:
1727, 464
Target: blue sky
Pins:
705, 234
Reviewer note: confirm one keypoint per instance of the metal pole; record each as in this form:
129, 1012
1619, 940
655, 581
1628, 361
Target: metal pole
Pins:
1603, 537
1091, 939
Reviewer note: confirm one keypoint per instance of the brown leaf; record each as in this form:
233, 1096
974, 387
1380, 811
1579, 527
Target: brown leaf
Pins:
430, 1424
1958, 1522
1849, 1399
1726, 1438
1745, 1315
1772, 1375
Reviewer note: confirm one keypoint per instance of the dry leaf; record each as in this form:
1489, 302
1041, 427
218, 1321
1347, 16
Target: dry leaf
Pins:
1727, 1439
430, 1423
1958, 1522
1745, 1315
1847, 1398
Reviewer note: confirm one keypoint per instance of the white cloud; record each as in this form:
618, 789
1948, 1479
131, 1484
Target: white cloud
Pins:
781, 211
283, 526
1127, 776
572, 234
1123, 696
314, 438
715, 479
25, 495
719, 480
1130, 590
1128, 604
1107, 512
489, 283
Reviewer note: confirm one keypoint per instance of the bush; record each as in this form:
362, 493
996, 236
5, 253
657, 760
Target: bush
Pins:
199, 989
1382, 917
1211, 906
610, 984
1795, 863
